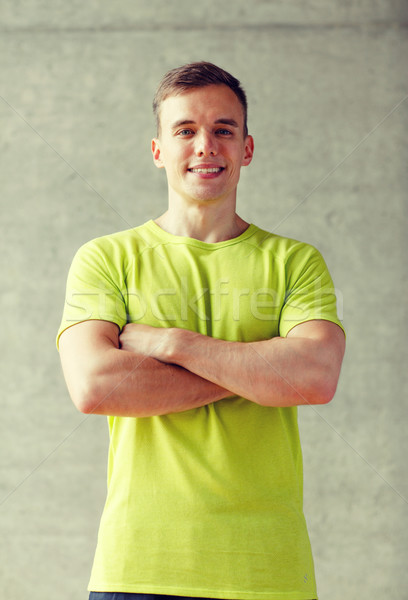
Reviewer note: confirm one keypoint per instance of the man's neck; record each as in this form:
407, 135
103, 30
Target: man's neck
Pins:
205, 224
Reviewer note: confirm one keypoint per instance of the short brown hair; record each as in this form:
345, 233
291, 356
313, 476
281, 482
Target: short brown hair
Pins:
196, 75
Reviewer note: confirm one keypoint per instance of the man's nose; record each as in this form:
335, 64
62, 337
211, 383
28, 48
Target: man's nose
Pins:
206, 144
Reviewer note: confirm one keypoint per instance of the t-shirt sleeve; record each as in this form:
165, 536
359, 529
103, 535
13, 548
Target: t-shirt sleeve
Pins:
94, 288
310, 292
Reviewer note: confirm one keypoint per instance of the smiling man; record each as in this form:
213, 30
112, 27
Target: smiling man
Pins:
198, 335
202, 146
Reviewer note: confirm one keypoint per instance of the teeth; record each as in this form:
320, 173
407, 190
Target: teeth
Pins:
212, 170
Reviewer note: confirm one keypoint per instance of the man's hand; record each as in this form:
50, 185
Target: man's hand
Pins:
145, 340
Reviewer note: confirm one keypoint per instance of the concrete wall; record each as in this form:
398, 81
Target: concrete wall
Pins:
328, 110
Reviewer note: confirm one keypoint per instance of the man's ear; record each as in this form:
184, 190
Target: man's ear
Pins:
249, 150
156, 152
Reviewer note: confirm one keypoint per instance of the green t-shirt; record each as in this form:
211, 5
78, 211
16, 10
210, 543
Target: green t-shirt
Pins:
207, 502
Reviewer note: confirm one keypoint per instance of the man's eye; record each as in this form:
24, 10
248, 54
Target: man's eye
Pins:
184, 132
224, 131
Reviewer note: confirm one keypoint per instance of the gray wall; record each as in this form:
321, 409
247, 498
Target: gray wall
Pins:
328, 110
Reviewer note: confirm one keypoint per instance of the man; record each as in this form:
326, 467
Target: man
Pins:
199, 334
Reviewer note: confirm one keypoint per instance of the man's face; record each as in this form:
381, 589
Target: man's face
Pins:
202, 144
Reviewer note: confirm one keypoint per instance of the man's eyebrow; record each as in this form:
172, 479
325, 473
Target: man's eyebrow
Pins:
222, 121
226, 121
182, 122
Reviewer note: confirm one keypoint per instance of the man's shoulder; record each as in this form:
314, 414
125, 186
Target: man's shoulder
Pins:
135, 239
282, 247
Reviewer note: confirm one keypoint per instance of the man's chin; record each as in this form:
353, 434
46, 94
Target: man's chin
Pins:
205, 194
204, 199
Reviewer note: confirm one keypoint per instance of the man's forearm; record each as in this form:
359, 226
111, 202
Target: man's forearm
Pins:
133, 385
276, 372
103, 379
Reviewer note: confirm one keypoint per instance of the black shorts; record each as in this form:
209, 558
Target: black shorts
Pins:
126, 596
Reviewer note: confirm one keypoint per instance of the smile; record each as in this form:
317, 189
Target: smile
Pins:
205, 171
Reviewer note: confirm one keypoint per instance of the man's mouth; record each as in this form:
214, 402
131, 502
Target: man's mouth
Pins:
206, 170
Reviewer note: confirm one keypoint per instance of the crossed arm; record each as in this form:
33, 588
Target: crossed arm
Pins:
147, 371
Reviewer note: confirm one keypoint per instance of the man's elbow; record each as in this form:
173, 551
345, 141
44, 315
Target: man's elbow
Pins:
323, 390
87, 398
85, 405
322, 378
